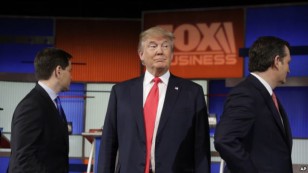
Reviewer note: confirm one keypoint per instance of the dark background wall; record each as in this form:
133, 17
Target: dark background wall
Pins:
119, 9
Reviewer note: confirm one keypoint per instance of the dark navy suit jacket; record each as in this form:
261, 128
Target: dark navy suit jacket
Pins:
39, 140
182, 142
250, 136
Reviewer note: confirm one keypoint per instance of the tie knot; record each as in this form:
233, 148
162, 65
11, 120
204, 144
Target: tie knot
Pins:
156, 80
58, 102
57, 99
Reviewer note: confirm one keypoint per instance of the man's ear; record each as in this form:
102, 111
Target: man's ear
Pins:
276, 61
140, 53
57, 71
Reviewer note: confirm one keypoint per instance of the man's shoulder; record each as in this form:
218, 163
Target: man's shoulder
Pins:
132, 80
184, 81
128, 82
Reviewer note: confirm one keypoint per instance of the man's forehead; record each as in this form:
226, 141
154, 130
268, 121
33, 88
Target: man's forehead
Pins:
157, 40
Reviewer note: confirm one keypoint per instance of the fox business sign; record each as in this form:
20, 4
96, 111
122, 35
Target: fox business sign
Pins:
201, 44
205, 48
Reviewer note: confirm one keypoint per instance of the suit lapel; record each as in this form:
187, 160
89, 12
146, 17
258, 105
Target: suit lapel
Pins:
46, 97
275, 112
52, 107
50, 103
137, 105
173, 89
287, 127
269, 102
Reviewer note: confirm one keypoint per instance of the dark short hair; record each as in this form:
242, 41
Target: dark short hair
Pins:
263, 52
48, 59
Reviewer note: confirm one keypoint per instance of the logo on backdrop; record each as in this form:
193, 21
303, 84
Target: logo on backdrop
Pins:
204, 44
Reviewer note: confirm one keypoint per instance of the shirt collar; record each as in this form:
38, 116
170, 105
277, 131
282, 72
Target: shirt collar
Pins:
148, 77
49, 91
266, 85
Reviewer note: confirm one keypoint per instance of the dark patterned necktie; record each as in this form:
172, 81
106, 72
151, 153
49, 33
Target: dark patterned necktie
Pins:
60, 109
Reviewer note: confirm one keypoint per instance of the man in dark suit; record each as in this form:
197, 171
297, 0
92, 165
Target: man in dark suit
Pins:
180, 141
253, 136
39, 139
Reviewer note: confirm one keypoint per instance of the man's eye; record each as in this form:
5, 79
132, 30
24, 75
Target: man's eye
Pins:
152, 46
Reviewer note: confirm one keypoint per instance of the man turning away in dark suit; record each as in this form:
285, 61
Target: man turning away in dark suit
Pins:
39, 140
169, 134
253, 134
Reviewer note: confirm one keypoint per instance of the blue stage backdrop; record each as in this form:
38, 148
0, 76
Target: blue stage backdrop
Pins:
287, 22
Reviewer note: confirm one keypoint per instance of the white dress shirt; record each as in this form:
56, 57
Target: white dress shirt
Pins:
147, 85
268, 88
49, 91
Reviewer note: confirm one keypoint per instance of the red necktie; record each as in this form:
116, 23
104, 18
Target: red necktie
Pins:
275, 101
150, 110
277, 107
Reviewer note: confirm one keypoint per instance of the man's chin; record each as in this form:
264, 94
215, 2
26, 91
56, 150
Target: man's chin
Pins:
65, 89
161, 66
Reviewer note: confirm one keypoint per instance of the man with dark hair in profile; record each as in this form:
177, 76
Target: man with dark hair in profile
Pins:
39, 139
254, 134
